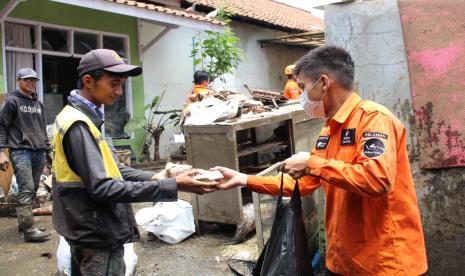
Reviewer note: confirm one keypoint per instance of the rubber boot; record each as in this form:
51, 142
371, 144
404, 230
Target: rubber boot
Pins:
26, 223
22, 225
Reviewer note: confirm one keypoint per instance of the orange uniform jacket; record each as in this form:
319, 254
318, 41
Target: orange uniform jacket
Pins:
372, 217
292, 90
199, 89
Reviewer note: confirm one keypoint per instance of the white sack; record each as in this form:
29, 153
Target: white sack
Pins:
64, 258
171, 222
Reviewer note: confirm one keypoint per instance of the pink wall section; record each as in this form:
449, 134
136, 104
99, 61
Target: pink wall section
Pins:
434, 36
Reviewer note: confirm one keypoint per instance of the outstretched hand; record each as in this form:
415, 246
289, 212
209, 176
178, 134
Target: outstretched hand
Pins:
187, 183
231, 178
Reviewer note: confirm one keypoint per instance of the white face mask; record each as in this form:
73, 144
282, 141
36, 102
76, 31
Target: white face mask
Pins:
315, 109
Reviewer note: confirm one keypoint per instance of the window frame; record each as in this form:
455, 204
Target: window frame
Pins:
37, 25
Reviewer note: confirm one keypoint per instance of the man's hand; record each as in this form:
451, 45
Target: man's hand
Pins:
186, 183
231, 178
159, 175
4, 161
296, 165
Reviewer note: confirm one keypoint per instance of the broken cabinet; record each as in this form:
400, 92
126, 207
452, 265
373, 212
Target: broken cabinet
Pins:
249, 145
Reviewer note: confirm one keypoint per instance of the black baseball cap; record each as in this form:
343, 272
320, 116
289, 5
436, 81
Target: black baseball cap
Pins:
107, 60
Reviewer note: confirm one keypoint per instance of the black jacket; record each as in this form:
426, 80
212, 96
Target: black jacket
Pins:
22, 123
100, 215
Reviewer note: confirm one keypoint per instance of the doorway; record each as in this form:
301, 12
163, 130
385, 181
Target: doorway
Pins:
59, 79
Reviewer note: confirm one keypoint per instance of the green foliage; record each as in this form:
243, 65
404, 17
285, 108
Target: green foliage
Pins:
154, 125
134, 124
153, 104
217, 53
224, 15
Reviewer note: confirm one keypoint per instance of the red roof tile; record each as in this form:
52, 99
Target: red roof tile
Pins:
161, 9
268, 12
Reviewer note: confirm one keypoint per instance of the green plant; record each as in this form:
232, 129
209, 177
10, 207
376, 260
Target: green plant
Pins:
152, 127
217, 53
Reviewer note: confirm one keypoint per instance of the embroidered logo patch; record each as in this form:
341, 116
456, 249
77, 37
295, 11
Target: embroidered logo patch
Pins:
374, 135
322, 142
348, 137
116, 56
373, 147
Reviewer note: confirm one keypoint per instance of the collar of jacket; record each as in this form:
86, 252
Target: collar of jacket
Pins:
347, 107
94, 117
19, 94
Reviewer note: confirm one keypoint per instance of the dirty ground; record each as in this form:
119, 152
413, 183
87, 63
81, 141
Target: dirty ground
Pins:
206, 254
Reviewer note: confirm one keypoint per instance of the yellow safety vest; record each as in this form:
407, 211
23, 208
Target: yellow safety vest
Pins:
63, 173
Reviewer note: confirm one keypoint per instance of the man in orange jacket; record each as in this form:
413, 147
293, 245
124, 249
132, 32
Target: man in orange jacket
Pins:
292, 89
360, 160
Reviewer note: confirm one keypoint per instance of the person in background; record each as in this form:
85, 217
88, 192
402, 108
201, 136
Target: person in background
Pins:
360, 160
201, 87
92, 191
201, 82
23, 132
292, 89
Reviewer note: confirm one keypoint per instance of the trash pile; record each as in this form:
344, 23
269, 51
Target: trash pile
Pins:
222, 105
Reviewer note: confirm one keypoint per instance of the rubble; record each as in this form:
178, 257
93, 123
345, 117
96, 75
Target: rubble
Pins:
222, 105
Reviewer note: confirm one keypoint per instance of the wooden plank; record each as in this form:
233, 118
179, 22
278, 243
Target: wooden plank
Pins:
214, 129
154, 40
7, 9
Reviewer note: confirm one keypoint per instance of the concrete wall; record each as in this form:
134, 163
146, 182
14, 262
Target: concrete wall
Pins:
167, 64
371, 31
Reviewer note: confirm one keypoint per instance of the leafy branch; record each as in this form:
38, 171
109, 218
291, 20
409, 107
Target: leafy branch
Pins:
155, 129
217, 53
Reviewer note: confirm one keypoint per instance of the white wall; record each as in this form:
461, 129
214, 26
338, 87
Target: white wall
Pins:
262, 67
167, 64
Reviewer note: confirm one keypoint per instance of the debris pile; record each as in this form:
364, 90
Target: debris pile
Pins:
214, 106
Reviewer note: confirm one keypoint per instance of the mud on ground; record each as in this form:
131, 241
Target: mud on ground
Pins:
205, 254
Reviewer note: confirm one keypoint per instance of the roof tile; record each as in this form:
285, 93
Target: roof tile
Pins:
270, 12
165, 10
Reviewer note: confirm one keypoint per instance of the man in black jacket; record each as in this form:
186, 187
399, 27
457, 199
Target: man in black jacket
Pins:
92, 192
22, 130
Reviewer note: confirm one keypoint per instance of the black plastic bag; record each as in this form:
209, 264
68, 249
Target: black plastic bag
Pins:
286, 251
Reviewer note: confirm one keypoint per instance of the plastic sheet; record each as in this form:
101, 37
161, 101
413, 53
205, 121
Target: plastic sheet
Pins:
286, 252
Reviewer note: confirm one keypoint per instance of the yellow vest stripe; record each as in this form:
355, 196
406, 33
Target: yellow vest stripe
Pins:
63, 173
